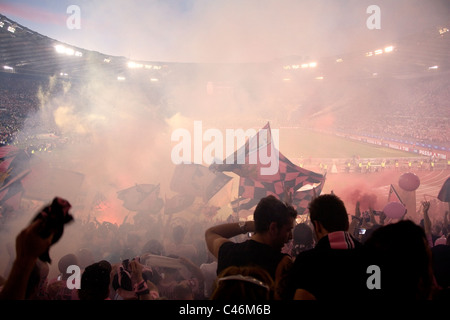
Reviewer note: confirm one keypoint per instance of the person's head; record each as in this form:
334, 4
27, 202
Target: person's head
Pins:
328, 214
403, 255
66, 261
303, 235
95, 281
441, 265
243, 283
276, 219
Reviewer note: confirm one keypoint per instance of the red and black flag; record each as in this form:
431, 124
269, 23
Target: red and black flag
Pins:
301, 183
254, 184
256, 159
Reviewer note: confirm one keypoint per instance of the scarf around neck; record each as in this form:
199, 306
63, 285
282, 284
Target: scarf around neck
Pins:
341, 240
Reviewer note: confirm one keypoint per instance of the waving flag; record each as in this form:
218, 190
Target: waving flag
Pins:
287, 178
256, 159
142, 198
197, 180
393, 195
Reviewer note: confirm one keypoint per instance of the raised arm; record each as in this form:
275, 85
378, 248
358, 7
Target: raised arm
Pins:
29, 246
427, 221
218, 235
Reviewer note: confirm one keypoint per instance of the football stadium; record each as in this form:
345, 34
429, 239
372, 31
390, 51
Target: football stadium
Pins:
140, 141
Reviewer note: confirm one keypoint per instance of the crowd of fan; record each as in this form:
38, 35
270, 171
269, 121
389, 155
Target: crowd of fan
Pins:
415, 110
151, 260
19, 110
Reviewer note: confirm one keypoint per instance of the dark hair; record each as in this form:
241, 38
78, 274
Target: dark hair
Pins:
66, 261
330, 211
303, 234
95, 281
270, 209
402, 252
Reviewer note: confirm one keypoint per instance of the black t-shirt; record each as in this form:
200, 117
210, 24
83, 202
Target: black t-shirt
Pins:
249, 252
329, 274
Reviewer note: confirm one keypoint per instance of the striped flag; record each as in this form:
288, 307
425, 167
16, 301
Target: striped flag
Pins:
289, 178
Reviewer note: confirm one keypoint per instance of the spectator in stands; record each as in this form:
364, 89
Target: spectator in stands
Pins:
127, 274
178, 247
57, 288
209, 270
402, 253
246, 283
176, 285
95, 281
332, 269
29, 246
303, 239
441, 270
273, 222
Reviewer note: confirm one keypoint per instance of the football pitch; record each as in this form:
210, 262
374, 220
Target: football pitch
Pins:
298, 143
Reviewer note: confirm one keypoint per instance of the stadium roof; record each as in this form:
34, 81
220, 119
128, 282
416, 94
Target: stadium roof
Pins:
24, 51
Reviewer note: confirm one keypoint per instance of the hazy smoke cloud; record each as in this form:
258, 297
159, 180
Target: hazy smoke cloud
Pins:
121, 132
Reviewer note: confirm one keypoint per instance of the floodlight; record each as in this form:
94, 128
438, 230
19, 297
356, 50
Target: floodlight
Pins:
60, 48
